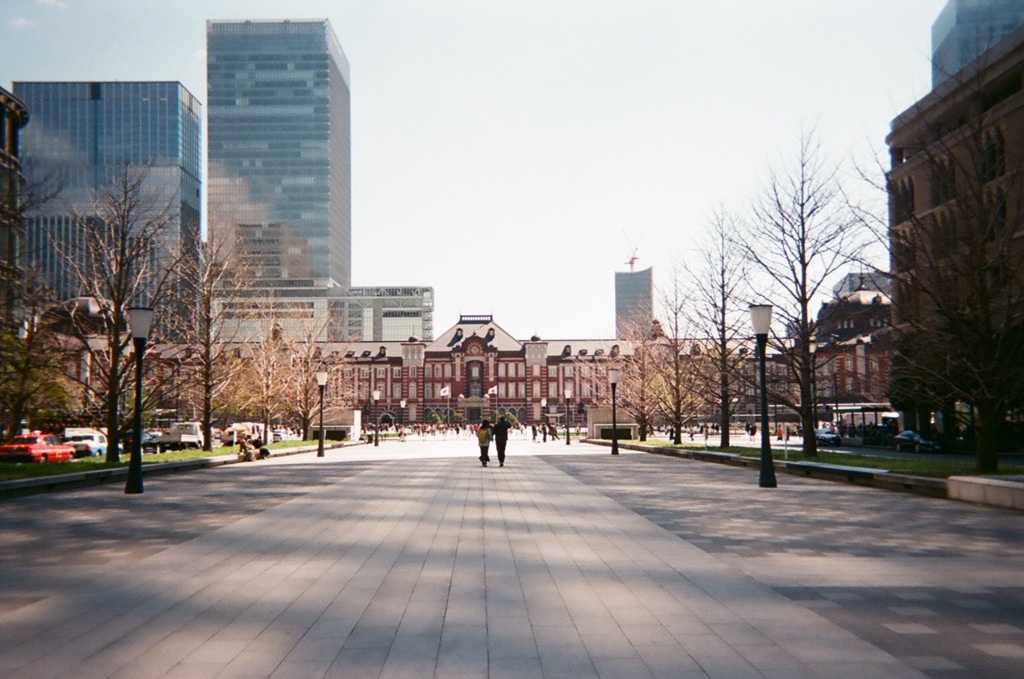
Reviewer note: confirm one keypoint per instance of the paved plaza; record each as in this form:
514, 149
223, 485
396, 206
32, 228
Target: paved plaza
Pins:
412, 560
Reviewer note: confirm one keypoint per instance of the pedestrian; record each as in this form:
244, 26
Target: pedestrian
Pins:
500, 432
483, 437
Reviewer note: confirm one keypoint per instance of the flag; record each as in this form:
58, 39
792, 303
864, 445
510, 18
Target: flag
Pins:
446, 391
493, 391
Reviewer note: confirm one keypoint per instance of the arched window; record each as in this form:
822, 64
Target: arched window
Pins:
993, 155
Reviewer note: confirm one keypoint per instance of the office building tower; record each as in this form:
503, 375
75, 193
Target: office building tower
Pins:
13, 117
634, 302
966, 29
278, 151
86, 134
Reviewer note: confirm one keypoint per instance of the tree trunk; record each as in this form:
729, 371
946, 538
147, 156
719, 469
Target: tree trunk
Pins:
207, 418
113, 400
989, 417
808, 419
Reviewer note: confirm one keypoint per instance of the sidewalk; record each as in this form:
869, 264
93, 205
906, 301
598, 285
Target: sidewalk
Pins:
420, 566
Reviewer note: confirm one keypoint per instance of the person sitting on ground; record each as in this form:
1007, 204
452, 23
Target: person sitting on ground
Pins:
246, 451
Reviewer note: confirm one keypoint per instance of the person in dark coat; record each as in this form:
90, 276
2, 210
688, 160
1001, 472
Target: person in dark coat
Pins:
500, 433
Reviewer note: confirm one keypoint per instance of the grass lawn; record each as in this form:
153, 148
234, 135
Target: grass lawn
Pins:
932, 467
20, 470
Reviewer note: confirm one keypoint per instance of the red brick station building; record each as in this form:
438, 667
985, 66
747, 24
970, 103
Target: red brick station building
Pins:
473, 370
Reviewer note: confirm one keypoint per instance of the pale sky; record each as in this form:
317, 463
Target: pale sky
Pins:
513, 154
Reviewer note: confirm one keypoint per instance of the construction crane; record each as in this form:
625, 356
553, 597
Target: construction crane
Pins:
636, 248
632, 259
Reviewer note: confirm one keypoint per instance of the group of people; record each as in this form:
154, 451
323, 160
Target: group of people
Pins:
251, 448
497, 432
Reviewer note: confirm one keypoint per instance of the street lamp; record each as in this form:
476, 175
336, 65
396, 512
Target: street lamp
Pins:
812, 349
139, 320
376, 425
401, 414
568, 395
321, 382
613, 379
761, 320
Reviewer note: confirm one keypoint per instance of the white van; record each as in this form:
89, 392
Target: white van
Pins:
86, 441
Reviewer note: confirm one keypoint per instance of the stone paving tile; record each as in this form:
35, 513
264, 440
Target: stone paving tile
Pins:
437, 567
850, 533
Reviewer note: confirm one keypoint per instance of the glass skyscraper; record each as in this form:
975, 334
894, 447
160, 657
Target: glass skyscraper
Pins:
83, 134
634, 302
966, 29
279, 180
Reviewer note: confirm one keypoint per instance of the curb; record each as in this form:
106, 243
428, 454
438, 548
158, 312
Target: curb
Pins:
862, 476
47, 484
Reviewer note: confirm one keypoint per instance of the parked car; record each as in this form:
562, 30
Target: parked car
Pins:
86, 441
36, 447
182, 435
828, 437
912, 441
150, 442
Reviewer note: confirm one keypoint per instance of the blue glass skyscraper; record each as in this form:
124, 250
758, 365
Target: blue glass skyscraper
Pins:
279, 179
966, 29
83, 133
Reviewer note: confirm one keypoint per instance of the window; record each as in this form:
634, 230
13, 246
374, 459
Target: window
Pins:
396, 391
993, 155
412, 390
428, 370
364, 373
412, 372
536, 389
536, 371
396, 373
567, 371
382, 373
501, 370
943, 181
447, 369
553, 390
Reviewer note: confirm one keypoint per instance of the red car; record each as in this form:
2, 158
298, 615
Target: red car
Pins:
36, 448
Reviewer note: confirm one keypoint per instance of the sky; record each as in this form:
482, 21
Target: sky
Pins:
514, 155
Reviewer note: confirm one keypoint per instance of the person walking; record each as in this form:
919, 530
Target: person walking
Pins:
483, 437
500, 432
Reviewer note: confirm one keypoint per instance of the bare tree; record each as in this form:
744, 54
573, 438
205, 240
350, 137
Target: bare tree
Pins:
801, 234
263, 380
122, 260
682, 364
639, 381
306, 358
206, 329
31, 375
719, 284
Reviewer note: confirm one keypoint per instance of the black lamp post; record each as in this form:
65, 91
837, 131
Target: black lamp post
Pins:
812, 349
613, 379
139, 320
761, 320
376, 425
321, 382
568, 395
